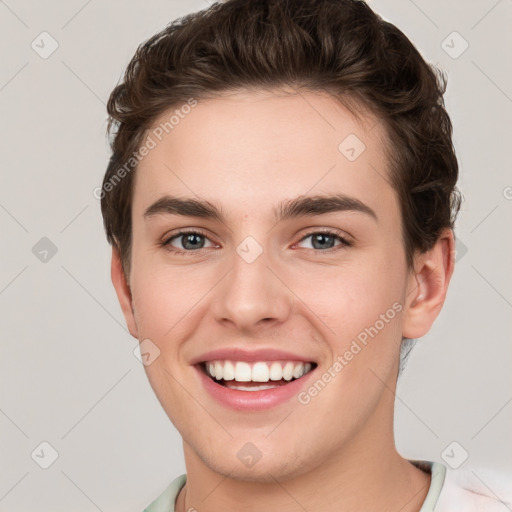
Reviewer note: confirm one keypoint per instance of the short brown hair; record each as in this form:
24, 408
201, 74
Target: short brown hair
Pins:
337, 46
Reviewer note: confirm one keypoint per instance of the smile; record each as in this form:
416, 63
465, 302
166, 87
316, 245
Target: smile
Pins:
254, 386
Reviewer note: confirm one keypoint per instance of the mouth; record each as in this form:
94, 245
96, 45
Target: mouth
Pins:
257, 375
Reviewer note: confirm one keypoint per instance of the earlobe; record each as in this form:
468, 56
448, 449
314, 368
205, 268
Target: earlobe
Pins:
123, 292
428, 286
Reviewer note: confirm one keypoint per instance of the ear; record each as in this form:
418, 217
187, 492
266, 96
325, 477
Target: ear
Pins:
428, 285
124, 294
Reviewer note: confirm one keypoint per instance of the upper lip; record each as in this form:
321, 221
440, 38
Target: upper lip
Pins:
239, 354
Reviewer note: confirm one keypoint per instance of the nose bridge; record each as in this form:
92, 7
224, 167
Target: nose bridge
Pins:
251, 292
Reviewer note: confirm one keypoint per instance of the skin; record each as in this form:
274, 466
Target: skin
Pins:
245, 152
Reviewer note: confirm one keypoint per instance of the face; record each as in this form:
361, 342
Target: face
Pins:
262, 280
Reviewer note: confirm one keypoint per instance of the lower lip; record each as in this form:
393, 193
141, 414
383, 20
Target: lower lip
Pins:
253, 400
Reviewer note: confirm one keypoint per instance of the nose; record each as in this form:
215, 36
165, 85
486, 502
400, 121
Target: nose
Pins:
251, 297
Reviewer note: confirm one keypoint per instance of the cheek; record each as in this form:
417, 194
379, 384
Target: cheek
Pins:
359, 306
352, 296
165, 299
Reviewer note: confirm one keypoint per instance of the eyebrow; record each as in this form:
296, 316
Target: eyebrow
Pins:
302, 206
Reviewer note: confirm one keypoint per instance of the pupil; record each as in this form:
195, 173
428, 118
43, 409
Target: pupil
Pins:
194, 240
321, 239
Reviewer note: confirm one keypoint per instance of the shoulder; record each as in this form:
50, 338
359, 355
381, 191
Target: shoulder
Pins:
475, 490
165, 502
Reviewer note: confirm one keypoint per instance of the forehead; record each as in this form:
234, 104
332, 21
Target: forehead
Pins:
263, 146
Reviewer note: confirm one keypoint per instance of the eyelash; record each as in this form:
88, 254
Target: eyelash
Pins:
332, 233
167, 243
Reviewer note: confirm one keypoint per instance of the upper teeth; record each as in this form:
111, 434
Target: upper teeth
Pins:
261, 371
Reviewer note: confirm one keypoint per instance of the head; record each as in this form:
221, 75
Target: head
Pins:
234, 125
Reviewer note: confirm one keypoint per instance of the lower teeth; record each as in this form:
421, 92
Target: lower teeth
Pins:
241, 387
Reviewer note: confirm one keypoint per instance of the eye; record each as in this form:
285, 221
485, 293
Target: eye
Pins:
187, 241
325, 240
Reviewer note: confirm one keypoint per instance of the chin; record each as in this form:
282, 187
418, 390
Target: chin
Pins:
268, 468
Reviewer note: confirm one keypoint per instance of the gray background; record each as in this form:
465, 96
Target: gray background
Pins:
68, 373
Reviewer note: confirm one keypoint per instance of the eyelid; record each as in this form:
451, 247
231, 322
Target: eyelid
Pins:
166, 240
346, 241
183, 231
